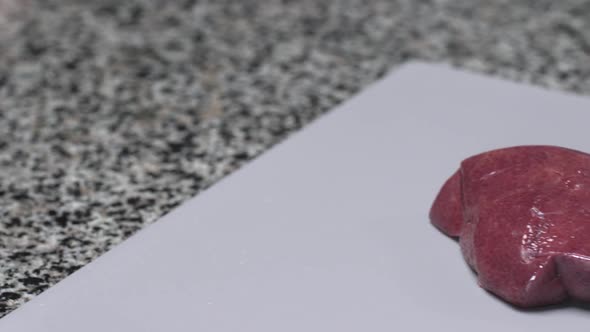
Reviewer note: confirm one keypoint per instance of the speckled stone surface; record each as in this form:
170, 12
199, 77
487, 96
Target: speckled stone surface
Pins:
114, 112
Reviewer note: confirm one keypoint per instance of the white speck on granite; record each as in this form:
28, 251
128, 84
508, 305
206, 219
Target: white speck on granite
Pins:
114, 112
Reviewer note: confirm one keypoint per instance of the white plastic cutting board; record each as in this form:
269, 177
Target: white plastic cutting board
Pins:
329, 230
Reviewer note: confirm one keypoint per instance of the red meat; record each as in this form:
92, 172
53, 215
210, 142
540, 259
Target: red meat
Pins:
522, 215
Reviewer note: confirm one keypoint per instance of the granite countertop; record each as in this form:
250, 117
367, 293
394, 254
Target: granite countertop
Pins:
114, 112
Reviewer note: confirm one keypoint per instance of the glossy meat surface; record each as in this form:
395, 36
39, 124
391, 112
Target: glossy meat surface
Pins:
522, 215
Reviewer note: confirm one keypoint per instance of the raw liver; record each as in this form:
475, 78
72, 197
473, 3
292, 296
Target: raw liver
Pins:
522, 215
